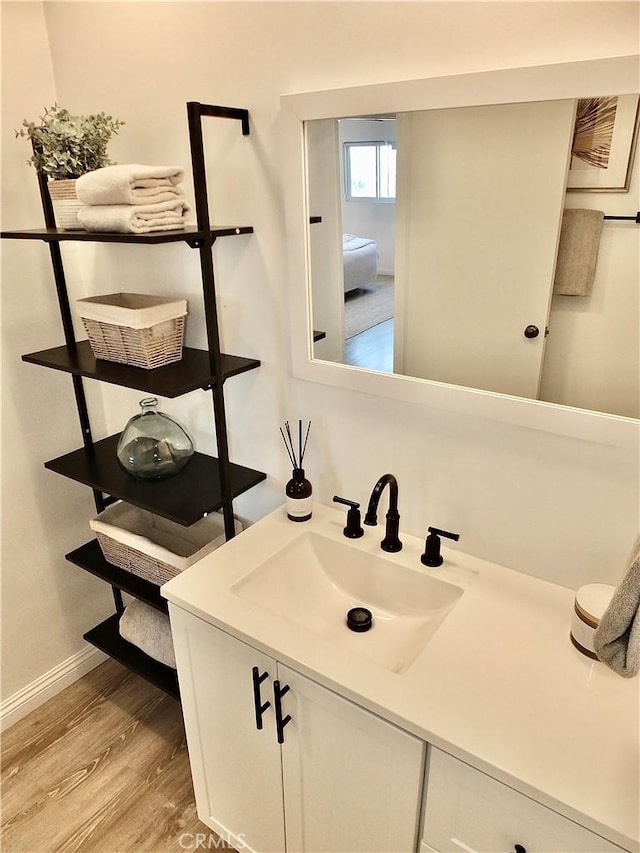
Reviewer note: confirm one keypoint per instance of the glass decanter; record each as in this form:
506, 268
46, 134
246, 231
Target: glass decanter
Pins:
153, 445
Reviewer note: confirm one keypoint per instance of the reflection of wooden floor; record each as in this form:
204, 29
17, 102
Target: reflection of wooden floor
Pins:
372, 348
102, 768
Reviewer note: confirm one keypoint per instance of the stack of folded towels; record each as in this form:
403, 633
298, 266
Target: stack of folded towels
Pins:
132, 199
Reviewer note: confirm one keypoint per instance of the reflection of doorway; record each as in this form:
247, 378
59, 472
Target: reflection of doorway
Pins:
367, 172
368, 325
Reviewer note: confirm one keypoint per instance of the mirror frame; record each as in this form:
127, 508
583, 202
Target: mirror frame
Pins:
608, 76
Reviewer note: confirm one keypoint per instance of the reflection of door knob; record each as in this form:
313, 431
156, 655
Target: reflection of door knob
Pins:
531, 332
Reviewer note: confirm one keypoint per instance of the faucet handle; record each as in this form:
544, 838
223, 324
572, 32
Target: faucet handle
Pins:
432, 556
354, 529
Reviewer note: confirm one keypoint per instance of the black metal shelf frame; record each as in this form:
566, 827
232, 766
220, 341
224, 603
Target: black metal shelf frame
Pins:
90, 558
106, 637
191, 236
185, 498
209, 483
189, 374
195, 113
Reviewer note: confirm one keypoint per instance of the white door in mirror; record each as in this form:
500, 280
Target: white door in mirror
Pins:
471, 279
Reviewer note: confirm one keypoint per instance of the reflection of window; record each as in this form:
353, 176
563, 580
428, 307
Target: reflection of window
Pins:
370, 170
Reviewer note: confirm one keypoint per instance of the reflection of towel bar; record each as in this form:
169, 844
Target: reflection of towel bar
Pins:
635, 218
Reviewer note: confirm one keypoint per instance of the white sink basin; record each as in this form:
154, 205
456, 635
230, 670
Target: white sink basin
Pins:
314, 581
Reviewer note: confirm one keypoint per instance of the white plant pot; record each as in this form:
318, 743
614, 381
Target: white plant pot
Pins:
65, 203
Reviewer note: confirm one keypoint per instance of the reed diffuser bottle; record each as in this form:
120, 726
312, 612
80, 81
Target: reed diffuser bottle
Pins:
298, 490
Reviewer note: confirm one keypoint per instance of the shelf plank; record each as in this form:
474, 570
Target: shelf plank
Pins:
90, 558
106, 637
184, 235
184, 498
193, 371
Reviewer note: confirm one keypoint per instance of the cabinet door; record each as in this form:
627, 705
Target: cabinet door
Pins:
469, 812
235, 766
351, 780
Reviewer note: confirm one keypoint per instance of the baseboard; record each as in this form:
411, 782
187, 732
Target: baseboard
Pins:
17, 706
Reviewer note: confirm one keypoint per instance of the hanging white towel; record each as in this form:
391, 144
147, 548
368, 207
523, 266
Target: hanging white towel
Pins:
130, 184
578, 252
135, 218
617, 637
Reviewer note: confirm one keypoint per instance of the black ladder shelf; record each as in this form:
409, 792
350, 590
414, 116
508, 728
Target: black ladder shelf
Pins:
207, 483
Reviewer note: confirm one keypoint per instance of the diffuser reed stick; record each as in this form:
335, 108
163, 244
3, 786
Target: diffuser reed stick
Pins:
289, 451
296, 460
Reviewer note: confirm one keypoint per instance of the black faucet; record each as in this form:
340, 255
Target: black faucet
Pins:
391, 542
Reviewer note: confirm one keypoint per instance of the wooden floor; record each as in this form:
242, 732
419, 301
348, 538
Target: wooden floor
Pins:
372, 348
102, 767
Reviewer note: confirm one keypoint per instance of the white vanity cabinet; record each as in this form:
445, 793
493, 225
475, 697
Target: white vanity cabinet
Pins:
467, 811
342, 778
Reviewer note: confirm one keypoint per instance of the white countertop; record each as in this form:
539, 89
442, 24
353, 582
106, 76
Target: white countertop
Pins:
499, 685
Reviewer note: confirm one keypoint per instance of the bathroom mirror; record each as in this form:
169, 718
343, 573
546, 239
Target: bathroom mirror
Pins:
317, 126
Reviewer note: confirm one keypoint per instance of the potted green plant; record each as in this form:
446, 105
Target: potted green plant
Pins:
64, 148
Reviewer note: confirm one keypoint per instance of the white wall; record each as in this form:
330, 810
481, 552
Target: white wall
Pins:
46, 604
325, 245
592, 357
557, 508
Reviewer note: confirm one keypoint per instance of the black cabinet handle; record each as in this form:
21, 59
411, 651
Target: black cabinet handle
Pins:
281, 722
519, 848
530, 332
257, 699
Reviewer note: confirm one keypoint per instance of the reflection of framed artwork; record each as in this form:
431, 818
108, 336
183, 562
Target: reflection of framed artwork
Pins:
604, 142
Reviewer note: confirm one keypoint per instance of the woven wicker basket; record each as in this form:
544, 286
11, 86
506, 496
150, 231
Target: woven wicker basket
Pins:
65, 203
148, 348
134, 561
135, 329
154, 548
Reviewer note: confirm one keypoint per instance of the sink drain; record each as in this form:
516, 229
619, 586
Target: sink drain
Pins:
359, 619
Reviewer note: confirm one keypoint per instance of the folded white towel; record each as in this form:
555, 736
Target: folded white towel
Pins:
135, 218
130, 184
617, 637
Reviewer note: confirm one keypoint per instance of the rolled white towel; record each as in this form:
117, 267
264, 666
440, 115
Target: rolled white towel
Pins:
130, 184
135, 218
149, 630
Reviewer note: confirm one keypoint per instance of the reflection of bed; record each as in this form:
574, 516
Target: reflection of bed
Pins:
360, 259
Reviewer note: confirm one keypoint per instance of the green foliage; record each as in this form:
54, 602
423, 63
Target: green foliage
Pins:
67, 146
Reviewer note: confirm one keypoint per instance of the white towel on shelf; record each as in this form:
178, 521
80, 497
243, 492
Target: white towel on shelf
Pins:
130, 184
149, 630
135, 218
617, 637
